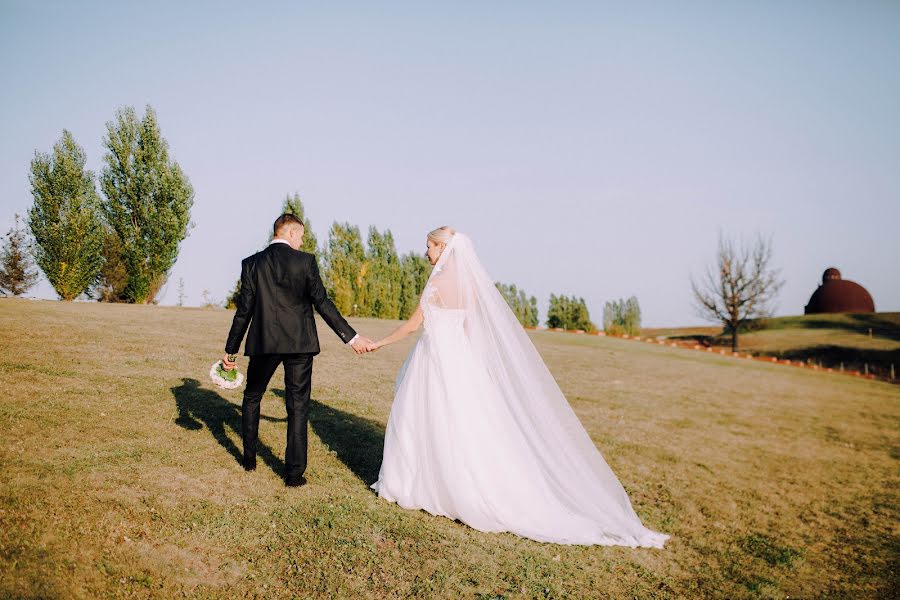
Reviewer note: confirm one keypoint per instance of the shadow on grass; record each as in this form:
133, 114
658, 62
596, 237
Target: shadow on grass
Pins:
883, 325
879, 361
198, 407
357, 441
825, 355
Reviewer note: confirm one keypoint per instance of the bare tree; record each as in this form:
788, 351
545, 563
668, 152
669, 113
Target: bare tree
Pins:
740, 287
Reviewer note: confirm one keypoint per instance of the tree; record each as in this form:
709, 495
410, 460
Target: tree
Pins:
17, 270
414, 272
383, 282
65, 218
531, 314
557, 312
181, 291
740, 287
148, 201
231, 300
524, 307
345, 268
622, 316
569, 313
113, 277
292, 205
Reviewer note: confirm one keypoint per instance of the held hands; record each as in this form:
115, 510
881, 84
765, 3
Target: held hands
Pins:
363, 345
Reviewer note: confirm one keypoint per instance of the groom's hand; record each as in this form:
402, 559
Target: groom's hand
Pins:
228, 364
361, 345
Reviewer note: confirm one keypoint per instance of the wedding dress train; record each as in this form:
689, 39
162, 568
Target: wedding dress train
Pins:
479, 430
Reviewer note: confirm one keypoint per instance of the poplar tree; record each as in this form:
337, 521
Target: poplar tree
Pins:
292, 205
148, 200
232, 298
113, 277
523, 306
345, 268
622, 316
414, 272
632, 316
569, 313
383, 276
17, 271
65, 218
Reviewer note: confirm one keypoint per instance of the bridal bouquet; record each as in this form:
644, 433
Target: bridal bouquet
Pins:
225, 379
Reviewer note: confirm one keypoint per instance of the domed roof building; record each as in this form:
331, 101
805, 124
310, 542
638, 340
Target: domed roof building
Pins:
836, 295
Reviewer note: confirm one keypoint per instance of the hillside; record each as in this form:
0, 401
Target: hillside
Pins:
120, 473
855, 341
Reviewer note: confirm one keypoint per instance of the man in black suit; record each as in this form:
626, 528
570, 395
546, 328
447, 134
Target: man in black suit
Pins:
280, 286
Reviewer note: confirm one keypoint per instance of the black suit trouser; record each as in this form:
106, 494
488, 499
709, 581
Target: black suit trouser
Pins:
297, 386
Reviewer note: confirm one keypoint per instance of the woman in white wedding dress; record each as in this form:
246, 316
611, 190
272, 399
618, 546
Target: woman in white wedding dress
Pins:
479, 430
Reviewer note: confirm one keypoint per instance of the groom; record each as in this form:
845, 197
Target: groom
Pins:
279, 288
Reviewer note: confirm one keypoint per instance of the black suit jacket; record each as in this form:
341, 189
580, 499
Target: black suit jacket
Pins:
279, 288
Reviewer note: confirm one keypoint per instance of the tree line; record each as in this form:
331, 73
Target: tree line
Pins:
369, 278
363, 279
569, 313
117, 245
120, 247
84, 246
372, 280
622, 317
120, 244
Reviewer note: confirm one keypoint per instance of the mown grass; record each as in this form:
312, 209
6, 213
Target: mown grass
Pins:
120, 477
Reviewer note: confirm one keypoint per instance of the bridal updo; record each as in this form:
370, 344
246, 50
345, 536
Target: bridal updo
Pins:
441, 235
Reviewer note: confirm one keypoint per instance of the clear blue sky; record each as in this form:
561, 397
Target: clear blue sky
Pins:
588, 148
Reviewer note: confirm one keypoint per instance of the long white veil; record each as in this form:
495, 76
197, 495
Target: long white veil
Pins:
564, 450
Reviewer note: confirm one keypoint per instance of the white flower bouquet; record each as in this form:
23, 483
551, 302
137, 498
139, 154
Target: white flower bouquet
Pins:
225, 379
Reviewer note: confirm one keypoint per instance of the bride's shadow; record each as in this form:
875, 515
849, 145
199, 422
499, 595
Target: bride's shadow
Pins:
198, 407
358, 442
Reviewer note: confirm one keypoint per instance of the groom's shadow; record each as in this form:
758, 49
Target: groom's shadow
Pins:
198, 407
358, 442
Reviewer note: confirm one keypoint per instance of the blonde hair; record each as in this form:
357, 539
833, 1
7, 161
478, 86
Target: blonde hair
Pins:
441, 235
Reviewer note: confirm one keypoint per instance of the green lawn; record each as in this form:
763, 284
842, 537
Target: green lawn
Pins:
120, 476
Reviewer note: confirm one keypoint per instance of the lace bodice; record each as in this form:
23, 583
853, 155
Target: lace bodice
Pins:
439, 302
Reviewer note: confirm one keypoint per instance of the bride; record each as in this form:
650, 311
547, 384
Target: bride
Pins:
479, 430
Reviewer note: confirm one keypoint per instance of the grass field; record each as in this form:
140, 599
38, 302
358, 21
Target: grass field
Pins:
120, 476
851, 340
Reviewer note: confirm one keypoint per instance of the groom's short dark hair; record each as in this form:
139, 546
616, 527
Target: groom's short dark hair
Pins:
285, 220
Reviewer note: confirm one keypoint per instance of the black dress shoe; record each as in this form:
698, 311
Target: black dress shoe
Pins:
249, 464
295, 481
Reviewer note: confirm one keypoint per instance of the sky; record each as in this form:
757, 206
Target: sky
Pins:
591, 149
